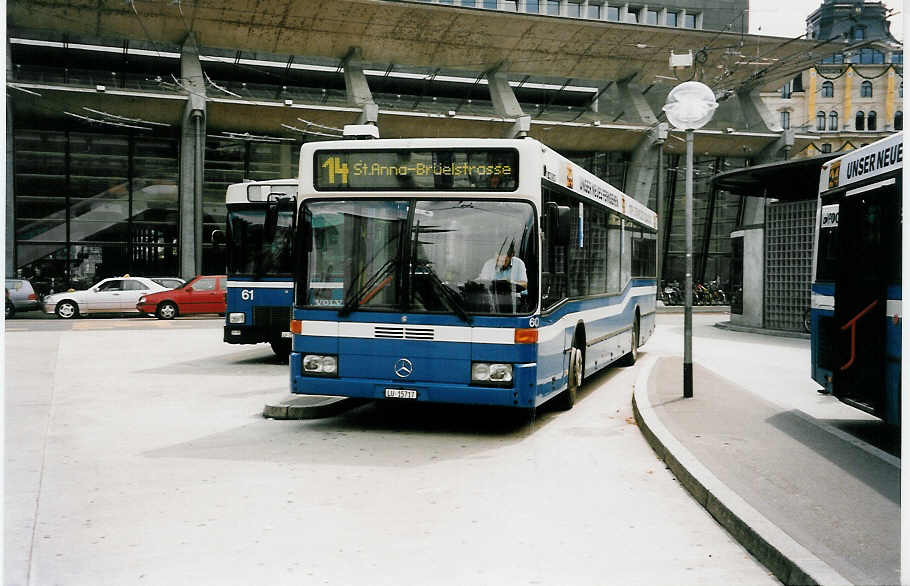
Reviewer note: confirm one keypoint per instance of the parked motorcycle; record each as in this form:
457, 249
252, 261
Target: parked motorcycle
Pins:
671, 293
716, 294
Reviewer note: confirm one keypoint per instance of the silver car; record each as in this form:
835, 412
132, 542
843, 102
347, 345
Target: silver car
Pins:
114, 295
20, 296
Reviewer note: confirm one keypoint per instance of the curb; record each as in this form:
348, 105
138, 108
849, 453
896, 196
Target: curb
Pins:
695, 308
309, 407
789, 561
725, 325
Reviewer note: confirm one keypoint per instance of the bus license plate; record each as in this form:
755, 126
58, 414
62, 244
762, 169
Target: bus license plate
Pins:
400, 394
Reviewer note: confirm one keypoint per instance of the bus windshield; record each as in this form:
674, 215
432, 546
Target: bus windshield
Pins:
466, 257
249, 253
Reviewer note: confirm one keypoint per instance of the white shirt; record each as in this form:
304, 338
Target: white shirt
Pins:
517, 273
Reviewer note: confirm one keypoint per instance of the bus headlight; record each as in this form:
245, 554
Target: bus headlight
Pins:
237, 318
495, 374
320, 365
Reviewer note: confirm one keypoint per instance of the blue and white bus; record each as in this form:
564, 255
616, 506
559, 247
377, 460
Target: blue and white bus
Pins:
260, 286
481, 271
856, 285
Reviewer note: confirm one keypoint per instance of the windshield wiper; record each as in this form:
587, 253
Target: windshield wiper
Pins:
353, 301
454, 299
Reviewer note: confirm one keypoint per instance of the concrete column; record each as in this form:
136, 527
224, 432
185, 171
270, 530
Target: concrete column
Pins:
10, 225
756, 115
192, 161
643, 166
752, 231
358, 89
288, 164
635, 103
505, 102
778, 150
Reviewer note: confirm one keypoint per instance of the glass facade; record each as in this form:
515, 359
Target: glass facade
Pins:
715, 216
93, 205
230, 161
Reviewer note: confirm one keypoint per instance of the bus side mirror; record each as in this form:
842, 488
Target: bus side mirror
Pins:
307, 230
280, 204
559, 224
218, 237
270, 226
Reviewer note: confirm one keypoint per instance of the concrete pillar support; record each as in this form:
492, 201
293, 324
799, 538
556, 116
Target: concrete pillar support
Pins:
192, 160
636, 105
778, 150
10, 225
358, 89
644, 163
756, 115
504, 100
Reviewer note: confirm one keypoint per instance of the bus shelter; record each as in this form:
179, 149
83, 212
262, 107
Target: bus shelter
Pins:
771, 264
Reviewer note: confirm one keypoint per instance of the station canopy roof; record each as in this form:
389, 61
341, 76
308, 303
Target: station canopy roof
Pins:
422, 61
785, 180
406, 33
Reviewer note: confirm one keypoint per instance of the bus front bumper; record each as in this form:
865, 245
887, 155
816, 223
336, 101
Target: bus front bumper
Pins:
520, 394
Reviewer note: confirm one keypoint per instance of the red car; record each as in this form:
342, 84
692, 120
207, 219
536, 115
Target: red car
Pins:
203, 294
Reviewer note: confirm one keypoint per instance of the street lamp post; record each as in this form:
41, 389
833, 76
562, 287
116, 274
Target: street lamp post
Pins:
690, 105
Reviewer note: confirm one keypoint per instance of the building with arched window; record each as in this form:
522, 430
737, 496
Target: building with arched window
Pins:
860, 80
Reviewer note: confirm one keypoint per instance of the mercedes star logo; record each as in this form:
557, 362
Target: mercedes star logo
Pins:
403, 368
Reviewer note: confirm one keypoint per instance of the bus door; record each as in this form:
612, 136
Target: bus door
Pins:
866, 244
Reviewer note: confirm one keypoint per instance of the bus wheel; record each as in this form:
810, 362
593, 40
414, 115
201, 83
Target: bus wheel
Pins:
576, 374
630, 358
281, 347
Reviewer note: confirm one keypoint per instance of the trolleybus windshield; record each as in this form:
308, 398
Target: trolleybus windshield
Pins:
466, 257
251, 251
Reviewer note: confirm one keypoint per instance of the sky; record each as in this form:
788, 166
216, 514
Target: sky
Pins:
787, 18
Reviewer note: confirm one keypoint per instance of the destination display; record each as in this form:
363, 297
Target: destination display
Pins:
416, 170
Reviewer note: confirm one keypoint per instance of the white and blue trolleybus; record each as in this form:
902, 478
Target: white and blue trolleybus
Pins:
856, 286
260, 282
481, 271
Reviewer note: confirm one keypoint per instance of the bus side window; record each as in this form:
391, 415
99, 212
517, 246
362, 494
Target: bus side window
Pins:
553, 285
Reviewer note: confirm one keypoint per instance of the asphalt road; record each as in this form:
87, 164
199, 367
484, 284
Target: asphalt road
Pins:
136, 454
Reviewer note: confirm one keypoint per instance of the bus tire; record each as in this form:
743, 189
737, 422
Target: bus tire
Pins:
166, 310
576, 375
10, 310
630, 358
281, 347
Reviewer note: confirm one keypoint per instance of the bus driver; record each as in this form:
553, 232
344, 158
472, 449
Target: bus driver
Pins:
506, 267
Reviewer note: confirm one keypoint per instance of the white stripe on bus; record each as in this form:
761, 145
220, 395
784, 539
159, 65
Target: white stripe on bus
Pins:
478, 335
826, 302
261, 284
820, 301
555, 330
365, 330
